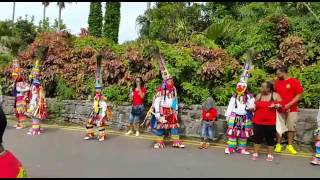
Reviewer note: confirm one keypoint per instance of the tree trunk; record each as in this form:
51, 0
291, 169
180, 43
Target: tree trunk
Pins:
59, 20
148, 5
44, 13
13, 11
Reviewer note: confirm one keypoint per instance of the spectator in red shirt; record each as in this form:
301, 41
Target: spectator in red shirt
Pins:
10, 167
264, 119
290, 90
209, 116
137, 111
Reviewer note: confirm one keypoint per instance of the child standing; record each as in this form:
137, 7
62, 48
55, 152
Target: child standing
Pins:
209, 116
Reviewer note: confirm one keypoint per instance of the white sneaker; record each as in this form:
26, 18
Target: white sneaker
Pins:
244, 151
137, 133
129, 132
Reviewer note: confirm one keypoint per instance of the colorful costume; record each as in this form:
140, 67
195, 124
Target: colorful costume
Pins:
316, 159
239, 116
165, 111
10, 166
37, 107
101, 110
20, 92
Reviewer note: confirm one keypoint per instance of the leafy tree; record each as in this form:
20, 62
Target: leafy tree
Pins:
112, 21
95, 19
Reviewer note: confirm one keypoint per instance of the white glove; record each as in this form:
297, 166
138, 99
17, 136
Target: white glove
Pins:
162, 120
157, 115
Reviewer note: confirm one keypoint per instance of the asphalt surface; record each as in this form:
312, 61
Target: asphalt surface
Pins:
63, 153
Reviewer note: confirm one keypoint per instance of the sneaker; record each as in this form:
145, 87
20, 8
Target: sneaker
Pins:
178, 144
229, 151
244, 151
254, 156
278, 148
315, 161
202, 145
158, 146
102, 137
206, 145
34, 133
290, 149
129, 132
19, 126
88, 136
137, 133
269, 157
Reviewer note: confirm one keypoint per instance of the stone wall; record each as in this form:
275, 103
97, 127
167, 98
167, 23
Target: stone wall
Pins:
78, 111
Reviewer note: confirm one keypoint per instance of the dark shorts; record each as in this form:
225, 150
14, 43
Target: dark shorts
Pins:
136, 114
261, 132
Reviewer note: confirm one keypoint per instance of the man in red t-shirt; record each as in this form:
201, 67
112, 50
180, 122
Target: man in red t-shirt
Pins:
290, 90
137, 97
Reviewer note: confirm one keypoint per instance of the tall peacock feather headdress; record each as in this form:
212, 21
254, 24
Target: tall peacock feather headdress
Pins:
98, 74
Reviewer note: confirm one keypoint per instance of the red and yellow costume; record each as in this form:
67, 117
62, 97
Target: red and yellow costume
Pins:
20, 92
165, 111
37, 107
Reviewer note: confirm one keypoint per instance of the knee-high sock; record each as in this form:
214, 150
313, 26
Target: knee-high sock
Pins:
242, 143
89, 127
318, 149
159, 135
35, 124
175, 136
102, 129
232, 142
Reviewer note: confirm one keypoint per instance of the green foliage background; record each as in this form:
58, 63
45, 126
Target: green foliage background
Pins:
177, 26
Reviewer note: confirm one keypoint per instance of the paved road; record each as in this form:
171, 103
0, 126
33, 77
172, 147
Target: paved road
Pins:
63, 153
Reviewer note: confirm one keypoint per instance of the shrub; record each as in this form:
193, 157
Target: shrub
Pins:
116, 93
309, 78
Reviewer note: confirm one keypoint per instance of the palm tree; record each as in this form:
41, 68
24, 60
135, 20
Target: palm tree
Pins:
61, 5
148, 5
45, 5
13, 11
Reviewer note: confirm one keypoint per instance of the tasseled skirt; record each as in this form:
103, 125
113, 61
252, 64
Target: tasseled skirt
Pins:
170, 117
239, 126
21, 108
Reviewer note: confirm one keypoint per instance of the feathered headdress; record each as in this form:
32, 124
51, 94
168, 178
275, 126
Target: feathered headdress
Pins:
16, 69
35, 72
98, 72
247, 66
163, 69
249, 56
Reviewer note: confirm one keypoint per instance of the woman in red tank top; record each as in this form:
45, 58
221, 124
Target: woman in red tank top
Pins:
264, 119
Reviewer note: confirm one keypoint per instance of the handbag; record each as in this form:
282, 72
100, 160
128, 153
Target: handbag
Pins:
280, 124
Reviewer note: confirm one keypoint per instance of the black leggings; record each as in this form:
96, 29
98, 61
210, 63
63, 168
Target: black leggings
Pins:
3, 124
264, 131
